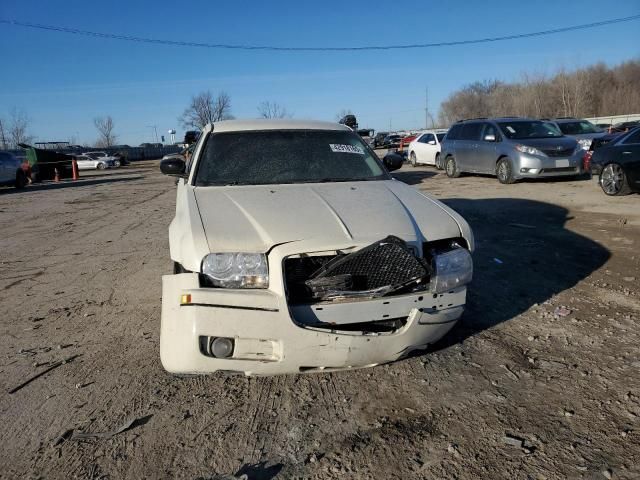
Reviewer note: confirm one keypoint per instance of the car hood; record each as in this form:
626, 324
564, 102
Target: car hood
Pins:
255, 218
588, 135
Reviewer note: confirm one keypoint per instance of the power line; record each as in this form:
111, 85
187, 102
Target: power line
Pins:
131, 38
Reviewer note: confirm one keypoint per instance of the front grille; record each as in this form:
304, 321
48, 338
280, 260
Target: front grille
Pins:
552, 152
388, 325
559, 170
381, 268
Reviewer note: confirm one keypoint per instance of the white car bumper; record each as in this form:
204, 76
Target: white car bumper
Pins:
268, 341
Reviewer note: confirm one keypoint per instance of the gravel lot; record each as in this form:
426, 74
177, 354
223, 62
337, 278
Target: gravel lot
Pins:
540, 379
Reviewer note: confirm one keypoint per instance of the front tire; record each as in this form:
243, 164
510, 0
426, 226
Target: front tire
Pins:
101, 166
21, 179
613, 180
436, 162
413, 160
452, 168
504, 171
116, 163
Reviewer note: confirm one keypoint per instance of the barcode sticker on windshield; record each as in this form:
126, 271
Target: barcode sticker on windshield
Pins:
338, 148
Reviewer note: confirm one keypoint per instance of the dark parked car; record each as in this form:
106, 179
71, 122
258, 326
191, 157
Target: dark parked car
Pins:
582, 130
391, 141
379, 139
11, 172
624, 126
618, 164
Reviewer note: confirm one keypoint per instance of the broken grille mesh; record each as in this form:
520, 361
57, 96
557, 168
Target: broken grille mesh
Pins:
388, 262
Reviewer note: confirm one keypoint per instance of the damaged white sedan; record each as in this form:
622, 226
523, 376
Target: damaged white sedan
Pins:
294, 251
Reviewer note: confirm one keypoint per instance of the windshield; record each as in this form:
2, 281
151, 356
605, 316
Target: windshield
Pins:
578, 128
286, 156
440, 137
529, 129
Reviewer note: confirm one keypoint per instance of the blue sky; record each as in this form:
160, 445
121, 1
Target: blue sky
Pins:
63, 81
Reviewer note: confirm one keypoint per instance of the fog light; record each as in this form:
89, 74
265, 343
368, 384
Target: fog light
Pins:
524, 170
221, 347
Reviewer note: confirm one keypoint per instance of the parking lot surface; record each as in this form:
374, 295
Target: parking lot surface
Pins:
541, 379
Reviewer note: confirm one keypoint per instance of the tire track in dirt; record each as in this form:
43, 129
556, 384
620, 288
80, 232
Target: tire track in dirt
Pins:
268, 432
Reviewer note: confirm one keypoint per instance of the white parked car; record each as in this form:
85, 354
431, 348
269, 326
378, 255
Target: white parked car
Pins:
295, 251
109, 160
425, 149
86, 162
11, 172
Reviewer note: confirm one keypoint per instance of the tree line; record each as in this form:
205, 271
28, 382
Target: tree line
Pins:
593, 91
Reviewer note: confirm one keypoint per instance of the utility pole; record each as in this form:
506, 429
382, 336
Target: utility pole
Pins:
426, 108
155, 132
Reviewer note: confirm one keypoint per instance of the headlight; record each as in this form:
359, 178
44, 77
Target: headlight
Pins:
452, 269
583, 144
236, 270
529, 150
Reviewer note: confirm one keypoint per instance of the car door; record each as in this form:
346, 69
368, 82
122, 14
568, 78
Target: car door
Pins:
466, 147
629, 157
4, 168
429, 148
486, 152
418, 148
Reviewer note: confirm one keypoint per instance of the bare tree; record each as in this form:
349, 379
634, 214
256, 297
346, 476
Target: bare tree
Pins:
342, 113
592, 91
105, 129
273, 110
18, 126
3, 137
205, 109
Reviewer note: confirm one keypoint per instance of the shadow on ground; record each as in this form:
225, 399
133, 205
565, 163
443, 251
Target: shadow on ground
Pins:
413, 177
524, 256
68, 184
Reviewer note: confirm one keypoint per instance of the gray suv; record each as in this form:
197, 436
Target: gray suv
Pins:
511, 148
582, 130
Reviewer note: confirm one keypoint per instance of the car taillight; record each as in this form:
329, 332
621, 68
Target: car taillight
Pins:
586, 160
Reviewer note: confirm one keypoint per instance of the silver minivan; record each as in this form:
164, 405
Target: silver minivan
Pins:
511, 148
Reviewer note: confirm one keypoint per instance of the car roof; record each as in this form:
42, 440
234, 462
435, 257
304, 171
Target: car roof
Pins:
497, 119
568, 120
272, 124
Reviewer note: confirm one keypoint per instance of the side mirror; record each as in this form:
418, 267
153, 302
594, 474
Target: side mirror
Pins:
431, 142
392, 161
490, 138
173, 166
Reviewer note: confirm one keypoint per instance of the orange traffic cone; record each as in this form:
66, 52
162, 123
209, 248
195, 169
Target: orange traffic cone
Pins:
56, 178
74, 168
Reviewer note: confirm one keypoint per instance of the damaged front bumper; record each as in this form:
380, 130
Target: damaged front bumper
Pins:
273, 331
267, 340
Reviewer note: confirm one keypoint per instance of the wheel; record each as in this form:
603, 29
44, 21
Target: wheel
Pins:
504, 171
101, 166
412, 159
436, 163
21, 179
116, 163
452, 168
613, 180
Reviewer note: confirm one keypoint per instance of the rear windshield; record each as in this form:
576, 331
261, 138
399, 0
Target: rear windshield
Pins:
286, 156
578, 128
440, 136
529, 129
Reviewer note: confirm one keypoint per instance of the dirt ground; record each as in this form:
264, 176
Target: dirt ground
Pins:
541, 379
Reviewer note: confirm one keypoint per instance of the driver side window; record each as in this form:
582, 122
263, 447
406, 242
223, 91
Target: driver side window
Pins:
489, 129
633, 138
